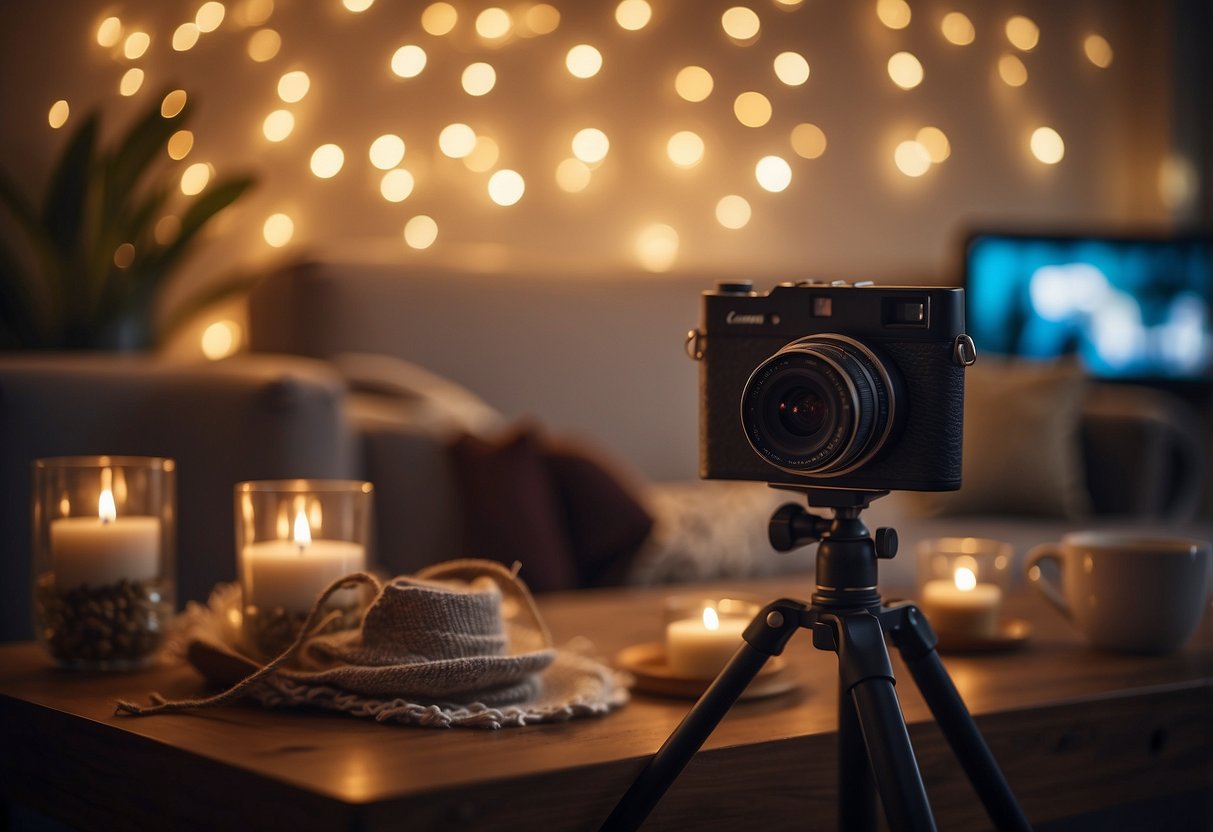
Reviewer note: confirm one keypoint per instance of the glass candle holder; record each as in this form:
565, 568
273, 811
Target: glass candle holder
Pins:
103, 556
961, 583
293, 539
702, 633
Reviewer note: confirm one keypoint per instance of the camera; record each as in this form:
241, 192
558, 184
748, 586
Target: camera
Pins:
833, 385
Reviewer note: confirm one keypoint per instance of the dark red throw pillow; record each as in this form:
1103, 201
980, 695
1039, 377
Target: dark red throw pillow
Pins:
561, 509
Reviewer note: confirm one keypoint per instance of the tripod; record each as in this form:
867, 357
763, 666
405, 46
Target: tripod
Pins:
846, 616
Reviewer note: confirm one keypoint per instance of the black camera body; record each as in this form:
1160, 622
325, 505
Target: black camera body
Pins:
830, 385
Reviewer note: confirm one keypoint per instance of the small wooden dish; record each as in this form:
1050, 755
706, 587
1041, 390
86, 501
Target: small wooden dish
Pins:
1012, 634
647, 663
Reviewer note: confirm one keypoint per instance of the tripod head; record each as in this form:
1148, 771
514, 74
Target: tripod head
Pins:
847, 554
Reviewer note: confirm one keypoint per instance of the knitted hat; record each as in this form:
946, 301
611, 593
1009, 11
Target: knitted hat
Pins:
461, 643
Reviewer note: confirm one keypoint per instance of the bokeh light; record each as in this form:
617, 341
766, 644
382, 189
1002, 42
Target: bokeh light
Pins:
278, 125
109, 33
573, 176
57, 116
912, 158
210, 16
741, 24
396, 185
173, 103
583, 61
327, 161
542, 19
293, 86
479, 79
420, 232
935, 142
408, 61
773, 173
278, 230
484, 155
357, 6
185, 36
590, 145
124, 256
136, 45
263, 45
1022, 32
905, 70
180, 144
456, 140
166, 230
957, 29
685, 149
387, 151
195, 178
733, 211
893, 13
693, 83
1098, 50
506, 187
791, 68
493, 23
1047, 145
255, 12
1012, 71
131, 81
633, 15
808, 140
221, 339
439, 19
753, 109
657, 247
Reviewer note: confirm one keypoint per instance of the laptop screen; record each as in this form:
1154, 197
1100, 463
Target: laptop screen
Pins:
1127, 307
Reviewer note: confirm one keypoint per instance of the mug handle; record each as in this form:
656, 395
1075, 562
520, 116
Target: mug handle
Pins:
1036, 576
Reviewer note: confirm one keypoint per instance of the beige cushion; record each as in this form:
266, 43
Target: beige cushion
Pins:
1022, 451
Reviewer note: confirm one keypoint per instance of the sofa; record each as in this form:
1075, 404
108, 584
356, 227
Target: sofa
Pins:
550, 421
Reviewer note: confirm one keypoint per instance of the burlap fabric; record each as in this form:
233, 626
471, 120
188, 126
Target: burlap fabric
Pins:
461, 643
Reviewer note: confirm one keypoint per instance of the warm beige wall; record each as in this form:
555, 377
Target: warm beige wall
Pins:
848, 213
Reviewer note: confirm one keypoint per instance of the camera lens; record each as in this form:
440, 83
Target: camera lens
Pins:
822, 405
803, 411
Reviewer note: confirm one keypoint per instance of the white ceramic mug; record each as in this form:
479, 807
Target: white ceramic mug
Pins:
1125, 591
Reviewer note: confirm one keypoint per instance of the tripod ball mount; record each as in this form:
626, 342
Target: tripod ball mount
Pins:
846, 616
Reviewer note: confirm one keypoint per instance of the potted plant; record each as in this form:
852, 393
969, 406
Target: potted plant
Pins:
64, 284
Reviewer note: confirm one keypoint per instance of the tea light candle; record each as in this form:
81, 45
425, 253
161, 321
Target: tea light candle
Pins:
698, 648
962, 605
105, 549
290, 574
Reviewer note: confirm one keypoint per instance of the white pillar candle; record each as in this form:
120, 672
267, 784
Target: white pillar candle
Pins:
699, 648
290, 574
961, 605
105, 549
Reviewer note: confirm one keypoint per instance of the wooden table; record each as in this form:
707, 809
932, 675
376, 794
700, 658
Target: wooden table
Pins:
1075, 731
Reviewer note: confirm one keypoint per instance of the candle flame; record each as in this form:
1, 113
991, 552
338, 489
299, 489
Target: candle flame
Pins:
106, 509
965, 579
303, 532
710, 620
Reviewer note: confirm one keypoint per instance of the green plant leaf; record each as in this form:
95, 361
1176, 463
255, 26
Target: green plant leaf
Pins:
196, 303
66, 198
213, 200
135, 154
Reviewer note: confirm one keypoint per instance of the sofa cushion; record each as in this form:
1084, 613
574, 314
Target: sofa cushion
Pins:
1022, 446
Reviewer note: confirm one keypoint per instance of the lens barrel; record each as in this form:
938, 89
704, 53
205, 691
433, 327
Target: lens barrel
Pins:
823, 405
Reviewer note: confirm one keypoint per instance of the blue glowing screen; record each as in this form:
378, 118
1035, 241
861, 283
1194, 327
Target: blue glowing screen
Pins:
1127, 308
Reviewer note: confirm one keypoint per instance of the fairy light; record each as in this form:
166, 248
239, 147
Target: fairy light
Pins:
180, 144
185, 36
124, 256
957, 29
1098, 50
357, 6
209, 16
791, 68
1022, 32
58, 114
136, 45
583, 61
693, 83
278, 125
387, 151
656, 247
109, 33
221, 339
905, 70
408, 61
590, 145
263, 45
506, 187
741, 24
256, 12
396, 185
573, 176
895, 14
483, 156
808, 141
773, 173
278, 230
327, 161
1012, 71
173, 103
420, 232
1047, 145
439, 19
733, 211
293, 86
912, 158
456, 140
195, 178
685, 149
935, 142
493, 23
479, 79
633, 15
542, 19
132, 80
753, 109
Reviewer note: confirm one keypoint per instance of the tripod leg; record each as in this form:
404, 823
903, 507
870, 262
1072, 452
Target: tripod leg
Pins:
916, 641
868, 674
765, 637
856, 790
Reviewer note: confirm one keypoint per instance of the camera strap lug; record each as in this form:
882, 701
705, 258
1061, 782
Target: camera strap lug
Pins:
964, 351
695, 344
